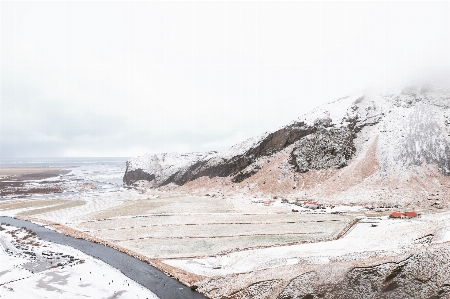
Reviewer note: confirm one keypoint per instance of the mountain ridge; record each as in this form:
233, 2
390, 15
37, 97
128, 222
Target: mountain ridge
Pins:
405, 132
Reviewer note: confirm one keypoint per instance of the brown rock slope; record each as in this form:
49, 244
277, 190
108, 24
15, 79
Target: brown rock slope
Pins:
372, 148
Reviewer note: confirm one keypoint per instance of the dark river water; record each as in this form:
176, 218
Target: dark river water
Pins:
156, 281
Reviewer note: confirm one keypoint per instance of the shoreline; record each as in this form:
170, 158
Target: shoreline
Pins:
35, 267
6, 172
186, 278
179, 276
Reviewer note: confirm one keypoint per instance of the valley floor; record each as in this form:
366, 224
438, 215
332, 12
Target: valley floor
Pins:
231, 246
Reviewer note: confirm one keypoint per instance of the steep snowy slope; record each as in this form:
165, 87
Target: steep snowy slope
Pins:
161, 169
365, 147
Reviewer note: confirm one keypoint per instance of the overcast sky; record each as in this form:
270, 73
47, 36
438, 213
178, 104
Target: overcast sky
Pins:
125, 78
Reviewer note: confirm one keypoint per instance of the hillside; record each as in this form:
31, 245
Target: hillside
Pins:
369, 148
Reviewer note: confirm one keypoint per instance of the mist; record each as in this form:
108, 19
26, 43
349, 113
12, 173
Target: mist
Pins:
128, 78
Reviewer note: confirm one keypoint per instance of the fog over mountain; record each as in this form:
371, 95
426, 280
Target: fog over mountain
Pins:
127, 78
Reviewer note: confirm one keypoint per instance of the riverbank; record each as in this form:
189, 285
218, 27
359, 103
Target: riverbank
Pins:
186, 278
135, 269
34, 268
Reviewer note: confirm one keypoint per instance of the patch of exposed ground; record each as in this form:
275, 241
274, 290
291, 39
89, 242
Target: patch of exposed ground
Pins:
29, 174
18, 171
34, 207
170, 203
24, 204
21, 189
25, 183
362, 182
58, 205
357, 171
274, 178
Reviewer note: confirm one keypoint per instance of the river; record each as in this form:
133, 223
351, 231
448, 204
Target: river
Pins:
156, 281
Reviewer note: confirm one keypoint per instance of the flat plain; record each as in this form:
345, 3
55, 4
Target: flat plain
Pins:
164, 225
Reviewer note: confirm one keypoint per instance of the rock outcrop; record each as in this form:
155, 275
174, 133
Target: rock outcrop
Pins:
326, 148
162, 169
190, 166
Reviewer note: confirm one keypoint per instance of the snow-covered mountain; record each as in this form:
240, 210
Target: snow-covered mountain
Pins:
365, 147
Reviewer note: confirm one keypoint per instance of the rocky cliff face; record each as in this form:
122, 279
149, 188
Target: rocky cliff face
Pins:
162, 169
379, 137
190, 166
326, 148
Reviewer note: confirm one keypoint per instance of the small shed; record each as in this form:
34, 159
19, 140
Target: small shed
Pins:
397, 215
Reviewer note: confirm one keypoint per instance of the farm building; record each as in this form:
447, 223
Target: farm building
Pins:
410, 214
397, 215
403, 215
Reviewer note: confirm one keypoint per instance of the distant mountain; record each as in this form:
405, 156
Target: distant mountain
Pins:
391, 147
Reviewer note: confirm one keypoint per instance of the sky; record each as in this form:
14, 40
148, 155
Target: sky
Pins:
125, 78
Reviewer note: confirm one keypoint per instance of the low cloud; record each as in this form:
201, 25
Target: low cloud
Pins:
135, 77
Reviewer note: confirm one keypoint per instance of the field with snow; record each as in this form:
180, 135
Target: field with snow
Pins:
167, 225
220, 243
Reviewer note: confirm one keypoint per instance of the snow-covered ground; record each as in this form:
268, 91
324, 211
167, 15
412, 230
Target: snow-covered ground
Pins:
33, 268
370, 238
98, 279
94, 186
197, 232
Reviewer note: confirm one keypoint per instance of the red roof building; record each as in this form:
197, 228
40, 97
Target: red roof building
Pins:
397, 215
410, 214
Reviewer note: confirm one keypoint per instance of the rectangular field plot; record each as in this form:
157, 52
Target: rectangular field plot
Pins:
177, 248
166, 205
218, 230
207, 234
199, 218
